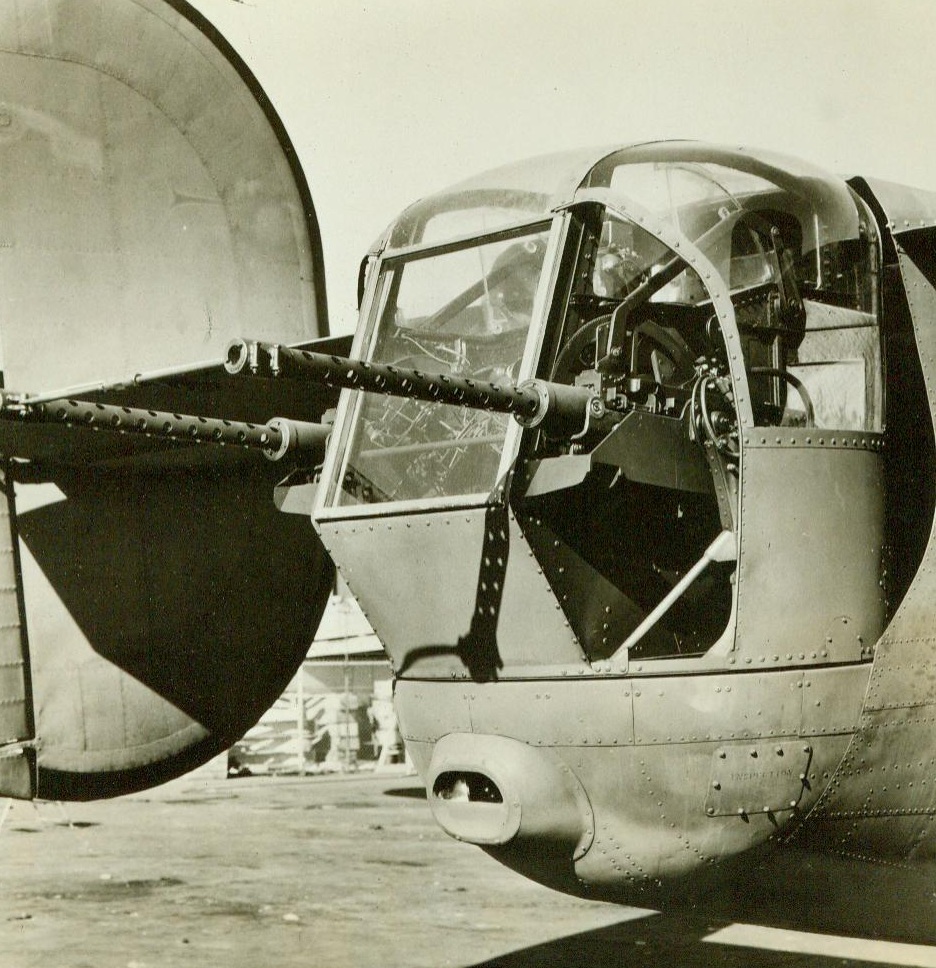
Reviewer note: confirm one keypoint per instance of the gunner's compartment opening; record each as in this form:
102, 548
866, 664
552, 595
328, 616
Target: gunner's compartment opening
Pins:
640, 330
613, 549
652, 508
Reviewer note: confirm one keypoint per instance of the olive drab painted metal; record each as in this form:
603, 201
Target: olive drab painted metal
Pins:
676, 675
812, 512
144, 150
480, 632
882, 799
687, 755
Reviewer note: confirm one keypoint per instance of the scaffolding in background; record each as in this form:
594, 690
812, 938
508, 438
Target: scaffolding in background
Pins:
336, 715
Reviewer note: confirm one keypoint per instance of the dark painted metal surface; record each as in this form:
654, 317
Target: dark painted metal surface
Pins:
882, 800
644, 751
17, 726
907, 209
812, 532
468, 614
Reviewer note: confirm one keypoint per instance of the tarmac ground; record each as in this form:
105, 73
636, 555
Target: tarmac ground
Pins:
319, 872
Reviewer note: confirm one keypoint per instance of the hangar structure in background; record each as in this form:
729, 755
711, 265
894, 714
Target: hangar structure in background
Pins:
336, 715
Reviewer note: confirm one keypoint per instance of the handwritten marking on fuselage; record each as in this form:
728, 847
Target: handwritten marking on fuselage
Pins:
762, 775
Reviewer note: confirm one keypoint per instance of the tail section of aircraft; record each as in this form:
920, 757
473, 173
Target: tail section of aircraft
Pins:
17, 751
153, 602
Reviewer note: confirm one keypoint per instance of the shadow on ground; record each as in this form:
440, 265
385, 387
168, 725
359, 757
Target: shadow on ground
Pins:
410, 793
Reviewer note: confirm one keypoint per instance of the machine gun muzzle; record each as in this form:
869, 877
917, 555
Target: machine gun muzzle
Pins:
275, 439
559, 410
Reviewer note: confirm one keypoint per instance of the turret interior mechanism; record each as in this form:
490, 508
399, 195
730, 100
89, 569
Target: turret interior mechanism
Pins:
665, 305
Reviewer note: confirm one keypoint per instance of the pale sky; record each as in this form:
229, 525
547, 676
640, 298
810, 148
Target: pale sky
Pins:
389, 100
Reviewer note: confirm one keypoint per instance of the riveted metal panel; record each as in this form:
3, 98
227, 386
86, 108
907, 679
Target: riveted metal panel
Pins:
757, 778
600, 613
895, 773
882, 797
561, 712
714, 708
912, 663
453, 593
428, 711
14, 714
908, 209
811, 552
833, 698
649, 810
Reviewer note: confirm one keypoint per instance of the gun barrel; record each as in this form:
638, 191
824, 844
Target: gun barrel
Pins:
275, 439
271, 359
557, 409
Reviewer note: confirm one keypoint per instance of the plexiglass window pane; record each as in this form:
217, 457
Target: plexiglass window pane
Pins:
464, 312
